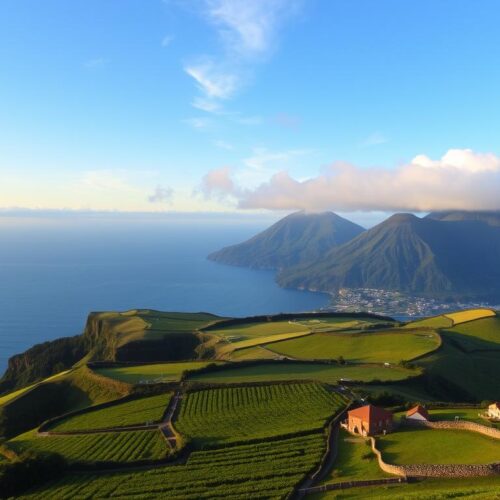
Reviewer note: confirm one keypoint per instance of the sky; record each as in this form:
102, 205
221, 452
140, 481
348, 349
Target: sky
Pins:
262, 106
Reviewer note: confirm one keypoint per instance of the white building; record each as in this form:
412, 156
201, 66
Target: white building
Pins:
494, 410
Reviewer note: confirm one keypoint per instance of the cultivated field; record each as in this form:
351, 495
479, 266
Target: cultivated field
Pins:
112, 446
434, 322
436, 446
329, 373
470, 315
238, 413
247, 331
264, 470
380, 347
134, 412
160, 372
253, 353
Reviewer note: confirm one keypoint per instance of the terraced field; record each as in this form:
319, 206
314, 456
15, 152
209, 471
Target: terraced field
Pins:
264, 470
113, 446
134, 412
436, 446
237, 413
159, 372
382, 347
329, 373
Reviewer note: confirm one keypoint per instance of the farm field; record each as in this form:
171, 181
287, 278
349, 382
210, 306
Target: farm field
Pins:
159, 372
380, 347
436, 446
238, 413
354, 461
134, 412
487, 330
433, 322
253, 353
263, 470
470, 315
112, 446
481, 488
247, 331
329, 373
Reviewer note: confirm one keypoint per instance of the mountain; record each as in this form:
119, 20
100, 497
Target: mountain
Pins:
491, 218
441, 258
299, 237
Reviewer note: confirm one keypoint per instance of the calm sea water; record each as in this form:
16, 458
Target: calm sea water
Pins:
53, 273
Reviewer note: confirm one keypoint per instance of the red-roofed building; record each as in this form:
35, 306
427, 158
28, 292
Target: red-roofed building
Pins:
369, 420
417, 413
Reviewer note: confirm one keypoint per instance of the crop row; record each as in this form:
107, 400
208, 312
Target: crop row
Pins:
112, 447
134, 412
264, 474
232, 414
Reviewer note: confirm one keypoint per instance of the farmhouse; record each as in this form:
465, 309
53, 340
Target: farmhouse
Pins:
369, 420
417, 413
494, 410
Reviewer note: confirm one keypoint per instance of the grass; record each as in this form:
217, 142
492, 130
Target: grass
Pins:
388, 346
487, 329
106, 447
240, 413
264, 470
470, 315
162, 372
134, 412
436, 446
470, 414
434, 322
355, 461
484, 488
276, 371
8, 397
247, 331
252, 353
228, 348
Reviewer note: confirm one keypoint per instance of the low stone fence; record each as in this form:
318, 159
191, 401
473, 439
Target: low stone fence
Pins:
456, 425
352, 484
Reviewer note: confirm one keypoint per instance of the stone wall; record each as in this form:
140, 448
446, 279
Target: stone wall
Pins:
456, 425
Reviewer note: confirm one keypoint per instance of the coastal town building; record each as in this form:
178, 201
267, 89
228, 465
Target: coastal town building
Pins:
369, 420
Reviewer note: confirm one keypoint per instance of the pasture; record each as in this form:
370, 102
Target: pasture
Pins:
263, 470
158, 372
354, 461
257, 352
487, 330
329, 373
245, 331
470, 315
106, 447
239, 413
380, 347
433, 322
436, 446
470, 414
135, 412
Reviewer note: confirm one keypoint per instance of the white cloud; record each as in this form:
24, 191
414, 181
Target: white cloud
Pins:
213, 81
461, 179
208, 105
218, 184
167, 40
161, 195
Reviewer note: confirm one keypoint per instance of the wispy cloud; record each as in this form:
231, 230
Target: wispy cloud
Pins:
167, 40
375, 139
198, 123
224, 145
95, 63
208, 105
461, 179
247, 31
161, 195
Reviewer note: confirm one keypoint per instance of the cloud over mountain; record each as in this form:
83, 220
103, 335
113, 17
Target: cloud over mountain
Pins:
461, 179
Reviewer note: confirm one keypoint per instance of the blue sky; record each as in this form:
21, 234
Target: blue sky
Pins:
223, 105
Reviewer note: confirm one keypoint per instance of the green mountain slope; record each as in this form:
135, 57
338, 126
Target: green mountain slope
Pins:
299, 237
413, 255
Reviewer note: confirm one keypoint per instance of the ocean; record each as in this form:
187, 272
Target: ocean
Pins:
53, 272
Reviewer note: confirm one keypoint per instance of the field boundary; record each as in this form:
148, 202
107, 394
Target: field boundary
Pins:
352, 484
461, 425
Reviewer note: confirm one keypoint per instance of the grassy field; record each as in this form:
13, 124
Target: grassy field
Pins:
113, 446
224, 349
470, 414
275, 371
247, 331
134, 412
433, 322
487, 330
470, 315
253, 353
436, 446
354, 461
264, 470
481, 488
8, 397
162, 372
239, 413
380, 347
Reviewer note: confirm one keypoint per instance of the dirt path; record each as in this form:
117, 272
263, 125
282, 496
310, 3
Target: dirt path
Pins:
166, 425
